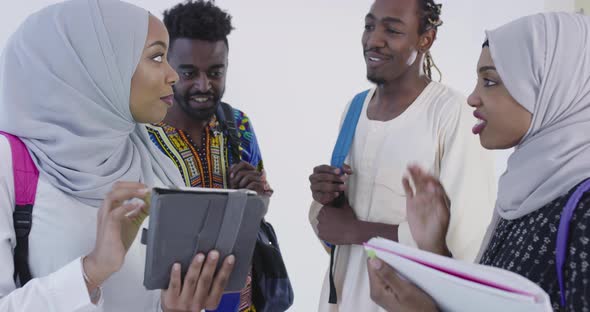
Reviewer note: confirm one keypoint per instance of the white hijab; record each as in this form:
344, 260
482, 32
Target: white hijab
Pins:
65, 79
544, 61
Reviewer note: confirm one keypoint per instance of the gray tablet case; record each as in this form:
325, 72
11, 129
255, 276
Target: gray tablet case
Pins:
188, 221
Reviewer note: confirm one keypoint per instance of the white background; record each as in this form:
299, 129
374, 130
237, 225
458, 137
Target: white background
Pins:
293, 66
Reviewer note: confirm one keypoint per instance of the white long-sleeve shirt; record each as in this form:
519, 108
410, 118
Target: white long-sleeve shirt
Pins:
434, 132
63, 230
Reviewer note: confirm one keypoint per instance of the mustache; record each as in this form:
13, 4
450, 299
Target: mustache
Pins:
376, 50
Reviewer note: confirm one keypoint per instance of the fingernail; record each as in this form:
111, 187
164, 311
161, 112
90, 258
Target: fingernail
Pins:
214, 255
342, 187
375, 263
337, 171
200, 258
231, 176
176, 267
144, 191
231, 259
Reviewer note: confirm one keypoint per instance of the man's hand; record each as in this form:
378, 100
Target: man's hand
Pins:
394, 294
245, 176
338, 225
328, 182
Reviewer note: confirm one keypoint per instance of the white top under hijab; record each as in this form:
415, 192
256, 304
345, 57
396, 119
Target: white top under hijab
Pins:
65, 81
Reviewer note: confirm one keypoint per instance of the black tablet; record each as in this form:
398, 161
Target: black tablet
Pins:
186, 221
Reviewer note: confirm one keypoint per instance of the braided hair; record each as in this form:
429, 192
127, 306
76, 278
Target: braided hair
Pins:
429, 19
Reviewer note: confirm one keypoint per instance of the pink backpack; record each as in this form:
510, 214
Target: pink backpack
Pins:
26, 177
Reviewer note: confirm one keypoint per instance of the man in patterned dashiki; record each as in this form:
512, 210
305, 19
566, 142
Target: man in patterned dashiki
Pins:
193, 134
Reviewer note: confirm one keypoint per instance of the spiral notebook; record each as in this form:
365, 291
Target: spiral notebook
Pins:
458, 285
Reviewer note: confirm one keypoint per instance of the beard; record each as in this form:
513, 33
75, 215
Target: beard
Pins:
200, 114
376, 75
376, 79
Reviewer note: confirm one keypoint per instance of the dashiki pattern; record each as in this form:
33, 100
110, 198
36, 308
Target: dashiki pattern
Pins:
206, 164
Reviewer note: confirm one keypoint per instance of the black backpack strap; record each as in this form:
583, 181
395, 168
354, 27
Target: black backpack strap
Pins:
225, 114
23, 220
333, 297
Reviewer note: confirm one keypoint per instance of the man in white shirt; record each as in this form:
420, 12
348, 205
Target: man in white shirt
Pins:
406, 119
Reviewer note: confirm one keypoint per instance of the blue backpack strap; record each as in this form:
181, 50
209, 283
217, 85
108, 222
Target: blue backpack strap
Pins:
26, 177
563, 234
346, 135
348, 130
341, 150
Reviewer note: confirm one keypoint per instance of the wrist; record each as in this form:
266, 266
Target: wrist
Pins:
94, 289
368, 230
94, 274
440, 249
362, 232
445, 251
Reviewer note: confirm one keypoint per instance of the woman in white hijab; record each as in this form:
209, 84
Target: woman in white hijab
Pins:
77, 81
533, 93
